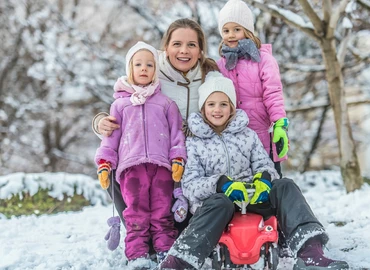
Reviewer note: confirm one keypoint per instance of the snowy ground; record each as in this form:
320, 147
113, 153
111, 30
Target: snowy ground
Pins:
76, 240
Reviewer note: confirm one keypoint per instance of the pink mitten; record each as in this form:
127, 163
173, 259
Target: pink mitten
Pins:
113, 236
180, 207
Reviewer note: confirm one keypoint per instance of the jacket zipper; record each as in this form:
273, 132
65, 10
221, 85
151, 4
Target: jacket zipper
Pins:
145, 131
227, 155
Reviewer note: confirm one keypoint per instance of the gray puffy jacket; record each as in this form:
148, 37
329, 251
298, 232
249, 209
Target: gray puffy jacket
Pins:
236, 152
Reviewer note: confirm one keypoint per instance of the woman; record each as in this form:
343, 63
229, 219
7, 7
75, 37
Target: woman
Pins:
183, 67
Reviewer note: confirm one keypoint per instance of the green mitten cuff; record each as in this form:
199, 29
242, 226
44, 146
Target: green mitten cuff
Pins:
282, 122
281, 136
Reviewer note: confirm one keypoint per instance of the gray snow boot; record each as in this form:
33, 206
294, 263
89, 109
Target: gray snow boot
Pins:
311, 257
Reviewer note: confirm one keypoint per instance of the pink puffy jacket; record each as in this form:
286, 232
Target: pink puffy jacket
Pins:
259, 92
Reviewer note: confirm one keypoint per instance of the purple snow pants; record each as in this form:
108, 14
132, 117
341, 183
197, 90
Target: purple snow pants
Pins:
147, 190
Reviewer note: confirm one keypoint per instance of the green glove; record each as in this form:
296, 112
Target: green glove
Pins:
262, 185
236, 191
280, 137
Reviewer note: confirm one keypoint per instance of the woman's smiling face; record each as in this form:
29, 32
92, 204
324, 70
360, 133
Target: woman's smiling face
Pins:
183, 49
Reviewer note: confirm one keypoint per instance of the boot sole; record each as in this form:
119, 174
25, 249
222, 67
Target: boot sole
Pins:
300, 265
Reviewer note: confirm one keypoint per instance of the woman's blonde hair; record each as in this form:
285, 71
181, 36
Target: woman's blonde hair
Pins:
206, 64
249, 35
231, 117
130, 77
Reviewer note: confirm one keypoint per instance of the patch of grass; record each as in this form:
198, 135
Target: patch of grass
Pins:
348, 249
367, 180
338, 223
40, 203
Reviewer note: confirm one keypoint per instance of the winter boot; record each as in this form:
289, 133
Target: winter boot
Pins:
174, 263
141, 263
161, 255
311, 257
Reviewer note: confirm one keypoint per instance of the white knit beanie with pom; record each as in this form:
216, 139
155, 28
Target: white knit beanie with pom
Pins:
236, 11
216, 82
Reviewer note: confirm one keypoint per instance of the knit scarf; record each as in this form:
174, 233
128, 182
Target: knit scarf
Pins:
142, 93
246, 49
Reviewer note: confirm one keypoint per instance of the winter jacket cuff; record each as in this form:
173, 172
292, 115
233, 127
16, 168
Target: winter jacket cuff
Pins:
95, 122
221, 181
178, 152
107, 154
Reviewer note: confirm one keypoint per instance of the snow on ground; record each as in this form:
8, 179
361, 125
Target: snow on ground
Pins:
75, 240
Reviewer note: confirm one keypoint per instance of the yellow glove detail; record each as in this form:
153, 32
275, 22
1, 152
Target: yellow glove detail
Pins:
177, 169
103, 174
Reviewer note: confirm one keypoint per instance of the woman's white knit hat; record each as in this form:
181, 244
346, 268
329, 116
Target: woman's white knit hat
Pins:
134, 49
236, 11
216, 82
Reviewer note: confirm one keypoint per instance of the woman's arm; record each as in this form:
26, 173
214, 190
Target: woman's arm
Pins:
104, 124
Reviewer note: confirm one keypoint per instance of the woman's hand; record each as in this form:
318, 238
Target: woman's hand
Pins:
106, 125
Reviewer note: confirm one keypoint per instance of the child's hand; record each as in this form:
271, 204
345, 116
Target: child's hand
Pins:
177, 169
103, 174
280, 137
236, 191
180, 207
262, 185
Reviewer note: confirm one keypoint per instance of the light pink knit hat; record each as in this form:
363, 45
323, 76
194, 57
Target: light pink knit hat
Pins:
236, 11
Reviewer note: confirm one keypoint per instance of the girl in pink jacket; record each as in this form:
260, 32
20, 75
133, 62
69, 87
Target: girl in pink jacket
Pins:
147, 152
255, 73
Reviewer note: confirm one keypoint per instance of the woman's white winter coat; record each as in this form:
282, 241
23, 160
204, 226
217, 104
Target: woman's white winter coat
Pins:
183, 90
237, 152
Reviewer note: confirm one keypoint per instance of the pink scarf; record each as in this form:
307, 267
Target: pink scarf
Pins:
139, 93
142, 93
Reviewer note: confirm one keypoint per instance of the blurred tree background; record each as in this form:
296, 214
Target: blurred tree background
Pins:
59, 60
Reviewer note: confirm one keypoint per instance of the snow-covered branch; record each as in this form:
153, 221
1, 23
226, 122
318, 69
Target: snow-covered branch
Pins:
70, 157
365, 3
343, 46
287, 16
321, 104
335, 17
312, 15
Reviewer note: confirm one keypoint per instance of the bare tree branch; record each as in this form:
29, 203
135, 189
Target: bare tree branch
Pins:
327, 8
343, 46
312, 15
335, 17
315, 140
148, 18
318, 105
286, 16
364, 3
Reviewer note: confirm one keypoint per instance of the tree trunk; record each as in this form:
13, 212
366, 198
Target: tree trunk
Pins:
349, 164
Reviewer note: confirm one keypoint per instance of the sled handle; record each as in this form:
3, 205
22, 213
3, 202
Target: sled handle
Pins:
243, 205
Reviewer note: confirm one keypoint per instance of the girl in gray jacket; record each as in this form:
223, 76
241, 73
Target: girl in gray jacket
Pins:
222, 154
